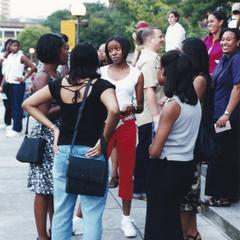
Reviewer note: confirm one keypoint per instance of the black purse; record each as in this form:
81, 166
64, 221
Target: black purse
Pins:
31, 149
206, 146
86, 176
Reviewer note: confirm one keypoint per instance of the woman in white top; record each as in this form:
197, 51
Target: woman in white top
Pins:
129, 83
171, 168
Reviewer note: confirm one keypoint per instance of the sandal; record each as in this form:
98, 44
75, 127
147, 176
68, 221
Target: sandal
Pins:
196, 237
213, 202
113, 182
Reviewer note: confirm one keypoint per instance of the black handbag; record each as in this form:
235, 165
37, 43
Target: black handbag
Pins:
206, 146
31, 149
86, 176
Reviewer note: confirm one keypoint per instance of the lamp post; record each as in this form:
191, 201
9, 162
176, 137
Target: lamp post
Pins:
31, 51
78, 10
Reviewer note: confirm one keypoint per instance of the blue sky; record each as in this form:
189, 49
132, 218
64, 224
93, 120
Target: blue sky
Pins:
40, 8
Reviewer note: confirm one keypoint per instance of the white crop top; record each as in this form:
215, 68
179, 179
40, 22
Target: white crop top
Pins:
125, 88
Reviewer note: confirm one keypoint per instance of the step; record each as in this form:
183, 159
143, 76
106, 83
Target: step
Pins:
226, 219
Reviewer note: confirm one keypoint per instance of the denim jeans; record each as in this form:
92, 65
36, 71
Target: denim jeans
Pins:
16, 98
92, 207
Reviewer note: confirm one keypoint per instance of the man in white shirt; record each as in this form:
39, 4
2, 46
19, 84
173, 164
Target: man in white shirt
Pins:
153, 40
175, 32
232, 22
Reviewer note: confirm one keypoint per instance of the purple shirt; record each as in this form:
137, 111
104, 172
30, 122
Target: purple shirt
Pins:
214, 52
225, 76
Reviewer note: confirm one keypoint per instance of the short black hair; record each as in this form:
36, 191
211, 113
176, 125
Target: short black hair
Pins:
175, 13
178, 71
65, 37
236, 32
83, 63
6, 43
48, 47
123, 41
15, 41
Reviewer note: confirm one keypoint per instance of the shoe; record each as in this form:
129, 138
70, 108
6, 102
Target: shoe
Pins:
77, 226
213, 202
127, 227
3, 126
113, 182
140, 196
11, 133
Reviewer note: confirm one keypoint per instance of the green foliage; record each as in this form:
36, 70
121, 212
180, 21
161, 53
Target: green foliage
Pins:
104, 23
29, 37
53, 20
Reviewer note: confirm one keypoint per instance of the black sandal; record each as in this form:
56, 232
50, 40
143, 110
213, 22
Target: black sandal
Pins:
213, 202
196, 237
113, 182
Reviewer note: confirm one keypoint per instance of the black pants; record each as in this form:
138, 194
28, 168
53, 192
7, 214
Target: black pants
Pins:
7, 105
142, 157
222, 172
167, 183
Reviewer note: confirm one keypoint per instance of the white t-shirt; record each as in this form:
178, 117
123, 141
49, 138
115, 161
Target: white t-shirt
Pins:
125, 88
232, 22
174, 37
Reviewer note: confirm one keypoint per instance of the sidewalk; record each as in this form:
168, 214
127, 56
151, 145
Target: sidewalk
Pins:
16, 202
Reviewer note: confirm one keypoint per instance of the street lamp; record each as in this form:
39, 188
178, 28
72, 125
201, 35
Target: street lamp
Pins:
78, 10
31, 51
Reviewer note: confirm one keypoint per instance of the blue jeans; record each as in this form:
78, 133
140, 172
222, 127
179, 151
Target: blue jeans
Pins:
16, 92
92, 207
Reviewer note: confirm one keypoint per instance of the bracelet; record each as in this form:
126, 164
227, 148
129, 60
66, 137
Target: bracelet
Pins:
227, 113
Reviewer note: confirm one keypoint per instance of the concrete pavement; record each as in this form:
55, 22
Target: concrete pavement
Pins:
16, 202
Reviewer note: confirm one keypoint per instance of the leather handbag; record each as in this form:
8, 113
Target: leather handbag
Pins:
206, 146
31, 149
86, 176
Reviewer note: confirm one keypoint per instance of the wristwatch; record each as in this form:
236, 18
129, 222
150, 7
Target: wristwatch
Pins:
227, 113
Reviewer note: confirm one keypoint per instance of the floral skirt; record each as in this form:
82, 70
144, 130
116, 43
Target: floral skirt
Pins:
191, 201
40, 179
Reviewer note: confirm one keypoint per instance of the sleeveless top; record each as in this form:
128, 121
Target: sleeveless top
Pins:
13, 67
182, 137
93, 115
125, 88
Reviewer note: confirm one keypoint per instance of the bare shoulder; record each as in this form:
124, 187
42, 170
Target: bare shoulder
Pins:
200, 79
171, 110
40, 80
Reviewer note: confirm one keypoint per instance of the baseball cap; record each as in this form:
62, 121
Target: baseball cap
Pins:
236, 7
141, 24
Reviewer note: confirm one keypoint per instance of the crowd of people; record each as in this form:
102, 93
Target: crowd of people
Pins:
150, 113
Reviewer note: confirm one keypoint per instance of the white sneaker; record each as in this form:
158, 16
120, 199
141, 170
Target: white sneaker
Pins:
3, 126
8, 127
77, 226
127, 227
11, 133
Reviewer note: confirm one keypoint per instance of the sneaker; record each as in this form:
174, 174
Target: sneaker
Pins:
77, 226
3, 126
11, 133
8, 127
127, 227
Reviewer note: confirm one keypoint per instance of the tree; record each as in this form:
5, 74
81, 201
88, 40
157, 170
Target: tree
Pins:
29, 37
53, 20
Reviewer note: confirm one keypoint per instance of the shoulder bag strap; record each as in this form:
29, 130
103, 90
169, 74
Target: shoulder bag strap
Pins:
80, 114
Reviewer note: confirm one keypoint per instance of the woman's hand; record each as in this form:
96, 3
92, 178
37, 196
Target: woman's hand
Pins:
162, 102
127, 110
95, 151
56, 133
221, 122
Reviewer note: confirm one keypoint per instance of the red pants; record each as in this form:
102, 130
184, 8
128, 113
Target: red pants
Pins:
124, 139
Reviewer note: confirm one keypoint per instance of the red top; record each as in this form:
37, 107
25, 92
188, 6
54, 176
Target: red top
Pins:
214, 52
